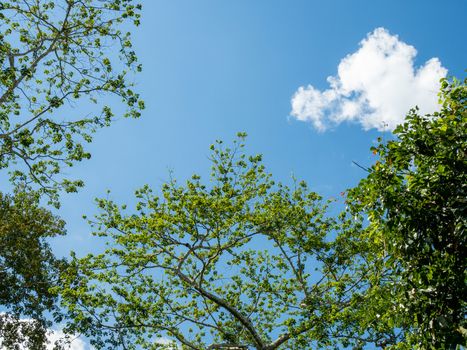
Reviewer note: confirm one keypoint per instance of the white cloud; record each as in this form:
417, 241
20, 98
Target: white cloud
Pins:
375, 86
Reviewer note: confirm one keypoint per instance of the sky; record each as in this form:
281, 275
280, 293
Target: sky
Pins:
313, 83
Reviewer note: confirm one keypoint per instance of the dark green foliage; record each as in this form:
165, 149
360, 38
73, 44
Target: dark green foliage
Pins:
415, 197
28, 270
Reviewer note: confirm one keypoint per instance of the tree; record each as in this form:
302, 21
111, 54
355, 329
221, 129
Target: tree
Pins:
28, 270
415, 199
240, 263
53, 53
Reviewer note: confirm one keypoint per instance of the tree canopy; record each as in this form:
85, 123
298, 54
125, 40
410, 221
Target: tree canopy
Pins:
415, 199
28, 270
240, 260
53, 53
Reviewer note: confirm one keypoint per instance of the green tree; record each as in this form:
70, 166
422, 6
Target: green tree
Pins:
241, 262
53, 53
28, 270
415, 199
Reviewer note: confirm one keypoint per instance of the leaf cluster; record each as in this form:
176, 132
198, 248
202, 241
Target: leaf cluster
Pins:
52, 54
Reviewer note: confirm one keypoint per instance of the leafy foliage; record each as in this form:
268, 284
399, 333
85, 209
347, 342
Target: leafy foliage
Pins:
242, 261
415, 199
28, 270
53, 53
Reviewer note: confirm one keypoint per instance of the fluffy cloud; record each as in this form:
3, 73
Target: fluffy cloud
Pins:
375, 86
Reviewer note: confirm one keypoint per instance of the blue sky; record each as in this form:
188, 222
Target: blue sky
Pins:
213, 68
